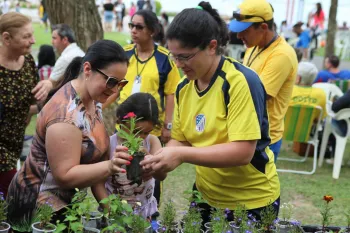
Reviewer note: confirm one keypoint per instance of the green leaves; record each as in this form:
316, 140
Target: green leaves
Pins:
130, 133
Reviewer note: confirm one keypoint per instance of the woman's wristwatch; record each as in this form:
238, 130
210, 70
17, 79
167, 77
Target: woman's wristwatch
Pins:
168, 126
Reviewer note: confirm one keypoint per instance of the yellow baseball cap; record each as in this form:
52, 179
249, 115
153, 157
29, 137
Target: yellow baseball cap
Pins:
249, 12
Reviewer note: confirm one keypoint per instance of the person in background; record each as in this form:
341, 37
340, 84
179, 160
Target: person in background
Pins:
43, 14
19, 90
18, 7
344, 27
286, 31
132, 10
71, 125
164, 21
63, 41
318, 18
46, 61
332, 70
140, 4
108, 12
148, 5
303, 92
119, 7
304, 39
5, 6
220, 119
271, 57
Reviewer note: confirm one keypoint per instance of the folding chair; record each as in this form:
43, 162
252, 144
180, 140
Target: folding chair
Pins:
298, 126
343, 84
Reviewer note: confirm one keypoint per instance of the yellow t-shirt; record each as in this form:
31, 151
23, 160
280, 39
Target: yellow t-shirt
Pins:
277, 67
159, 77
310, 96
232, 108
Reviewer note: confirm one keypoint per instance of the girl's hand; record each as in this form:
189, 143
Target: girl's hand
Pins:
164, 160
121, 157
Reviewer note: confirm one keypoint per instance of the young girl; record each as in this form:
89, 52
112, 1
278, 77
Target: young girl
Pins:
145, 107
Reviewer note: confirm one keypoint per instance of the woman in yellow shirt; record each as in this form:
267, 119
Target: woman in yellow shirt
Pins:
220, 119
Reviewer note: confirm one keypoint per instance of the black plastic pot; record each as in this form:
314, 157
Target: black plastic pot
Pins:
134, 170
312, 229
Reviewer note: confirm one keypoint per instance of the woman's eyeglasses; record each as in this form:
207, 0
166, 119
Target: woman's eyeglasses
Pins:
137, 26
182, 58
240, 17
111, 82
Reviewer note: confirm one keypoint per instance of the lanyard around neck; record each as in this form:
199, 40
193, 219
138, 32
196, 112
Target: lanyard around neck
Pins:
249, 63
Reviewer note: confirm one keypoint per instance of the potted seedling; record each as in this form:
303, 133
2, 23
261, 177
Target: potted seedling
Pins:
219, 223
74, 215
268, 219
139, 225
44, 213
240, 219
4, 227
326, 213
89, 216
167, 223
194, 198
286, 224
192, 221
117, 214
130, 135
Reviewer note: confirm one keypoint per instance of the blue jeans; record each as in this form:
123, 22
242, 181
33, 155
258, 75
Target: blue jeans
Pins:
276, 147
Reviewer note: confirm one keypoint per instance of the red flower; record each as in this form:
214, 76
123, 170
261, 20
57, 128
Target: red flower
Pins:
328, 198
129, 115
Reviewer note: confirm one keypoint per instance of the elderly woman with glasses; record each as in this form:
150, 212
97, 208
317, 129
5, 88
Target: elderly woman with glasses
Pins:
20, 90
70, 148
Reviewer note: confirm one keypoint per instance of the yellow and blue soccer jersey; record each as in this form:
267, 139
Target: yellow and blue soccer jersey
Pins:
157, 75
232, 108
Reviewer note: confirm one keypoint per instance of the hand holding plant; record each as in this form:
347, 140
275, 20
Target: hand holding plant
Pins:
130, 134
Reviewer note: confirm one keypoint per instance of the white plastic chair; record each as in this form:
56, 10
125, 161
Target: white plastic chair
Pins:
330, 89
340, 140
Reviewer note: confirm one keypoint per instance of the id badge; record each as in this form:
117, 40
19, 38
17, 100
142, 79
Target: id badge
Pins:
137, 85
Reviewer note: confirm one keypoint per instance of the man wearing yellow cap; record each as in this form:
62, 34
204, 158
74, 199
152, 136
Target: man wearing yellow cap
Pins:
271, 57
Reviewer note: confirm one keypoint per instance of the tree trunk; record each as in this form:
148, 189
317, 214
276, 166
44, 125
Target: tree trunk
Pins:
81, 15
332, 28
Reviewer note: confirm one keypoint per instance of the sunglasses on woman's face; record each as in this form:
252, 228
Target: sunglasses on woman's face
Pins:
111, 82
137, 26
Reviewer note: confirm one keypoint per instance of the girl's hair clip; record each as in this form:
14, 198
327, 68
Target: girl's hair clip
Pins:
199, 7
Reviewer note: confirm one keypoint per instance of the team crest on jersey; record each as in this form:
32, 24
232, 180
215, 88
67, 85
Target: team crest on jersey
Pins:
200, 122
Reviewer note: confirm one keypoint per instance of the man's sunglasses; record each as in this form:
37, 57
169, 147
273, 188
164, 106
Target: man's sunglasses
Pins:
137, 26
240, 17
112, 81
